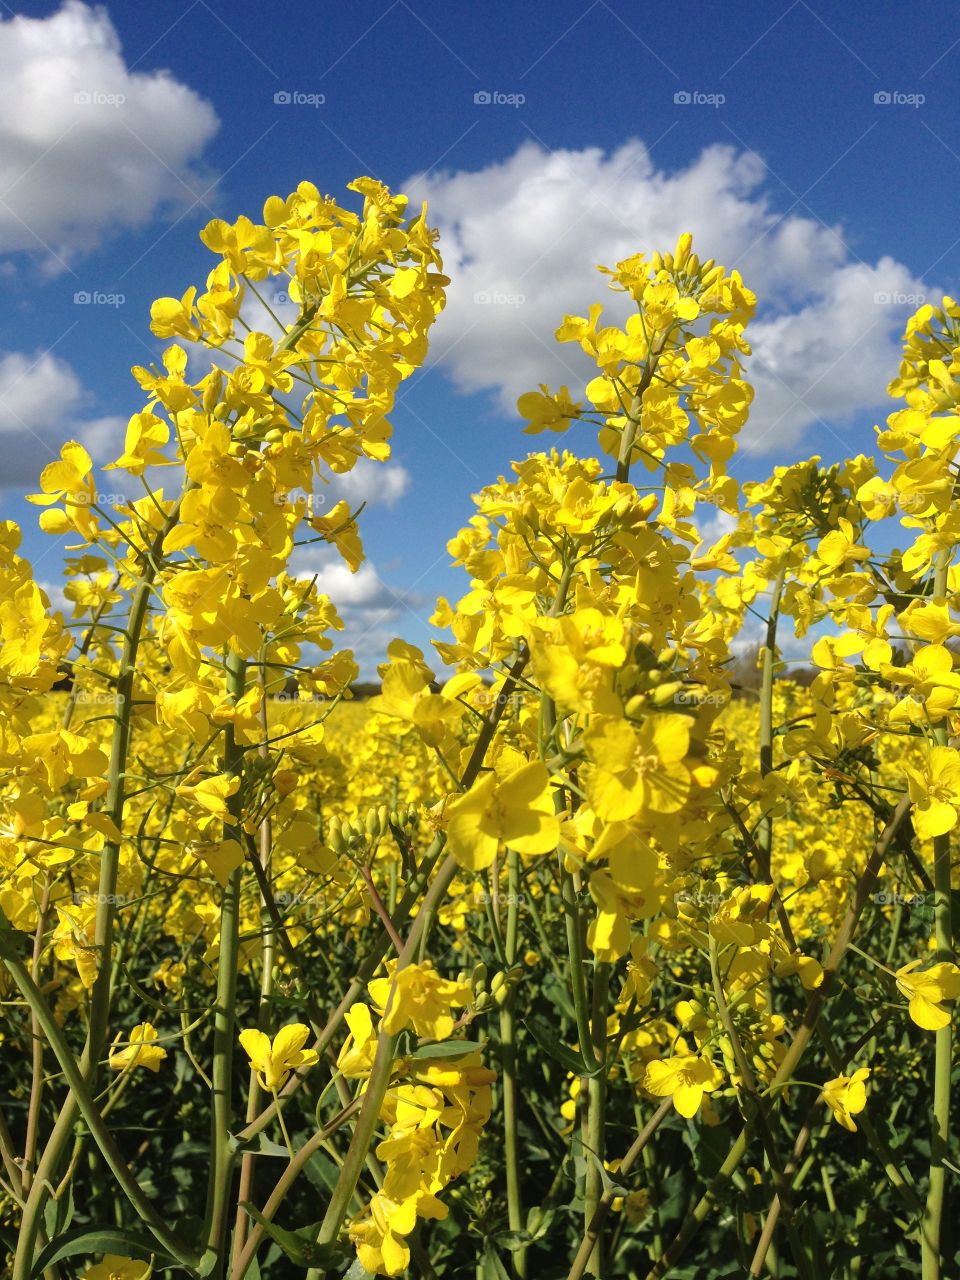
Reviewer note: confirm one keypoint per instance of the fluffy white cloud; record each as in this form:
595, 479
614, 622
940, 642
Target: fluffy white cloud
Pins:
372, 610
86, 143
521, 240
42, 404
369, 482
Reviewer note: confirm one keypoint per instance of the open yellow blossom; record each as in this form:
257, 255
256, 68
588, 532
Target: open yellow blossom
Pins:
517, 810
935, 792
274, 1061
846, 1096
636, 771
685, 1077
928, 992
117, 1267
418, 997
139, 1050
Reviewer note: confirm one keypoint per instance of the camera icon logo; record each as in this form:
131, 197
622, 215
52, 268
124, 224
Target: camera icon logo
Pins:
882, 98
682, 97
282, 98
482, 98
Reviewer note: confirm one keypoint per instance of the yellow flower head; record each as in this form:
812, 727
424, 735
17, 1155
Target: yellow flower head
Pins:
928, 991
685, 1077
273, 1062
116, 1267
138, 1051
846, 1096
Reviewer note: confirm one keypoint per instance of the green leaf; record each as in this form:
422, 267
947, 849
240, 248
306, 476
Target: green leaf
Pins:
299, 1246
98, 1240
546, 1037
58, 1214
357, 1271
446, 1049
493, 1268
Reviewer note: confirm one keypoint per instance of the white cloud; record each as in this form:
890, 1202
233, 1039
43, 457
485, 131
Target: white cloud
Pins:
39, 398
521, 240
369, 482
42, 405
373, 611
86, 143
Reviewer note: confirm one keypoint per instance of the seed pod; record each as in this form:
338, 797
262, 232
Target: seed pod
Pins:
335, 836
665, 693
211, 392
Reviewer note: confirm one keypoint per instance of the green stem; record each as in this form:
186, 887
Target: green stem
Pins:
757, 1108
245, 1190
603, 1208
222, 1146
768, 668
103, 930
596, 1106
943, 1047
380, 1072
84, 1102
508, 1065
797, 1047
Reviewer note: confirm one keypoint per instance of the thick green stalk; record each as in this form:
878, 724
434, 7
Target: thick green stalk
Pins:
103, 930
596, 1107
380, 1072
222, 1146
798, 1045
594, 1227
84, 1103
758, 1114
508, 1067
768, 655
268, 927
943, 1047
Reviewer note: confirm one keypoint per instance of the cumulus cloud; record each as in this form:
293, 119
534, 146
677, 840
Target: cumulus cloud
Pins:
88, 144
43, 403
521, 240
373, 610
371, 483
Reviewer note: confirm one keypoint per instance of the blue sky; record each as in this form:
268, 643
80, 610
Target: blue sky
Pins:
811, 145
